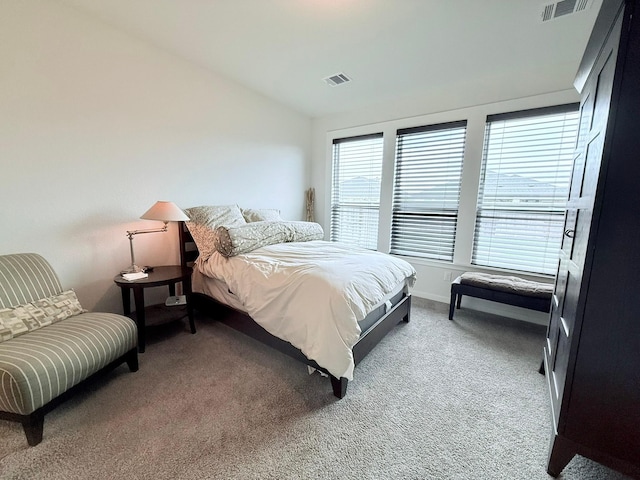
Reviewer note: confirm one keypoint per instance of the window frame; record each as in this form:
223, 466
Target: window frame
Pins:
336, 205
437, 241
550, 215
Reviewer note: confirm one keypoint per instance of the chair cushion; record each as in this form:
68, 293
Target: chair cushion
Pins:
38, 367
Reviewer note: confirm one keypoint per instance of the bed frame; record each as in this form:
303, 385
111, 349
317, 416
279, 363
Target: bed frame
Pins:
240, 321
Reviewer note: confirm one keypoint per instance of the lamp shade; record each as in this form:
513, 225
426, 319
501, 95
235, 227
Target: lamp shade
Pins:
165, 212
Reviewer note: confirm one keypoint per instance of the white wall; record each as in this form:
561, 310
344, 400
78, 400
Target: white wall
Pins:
95, 126
472, 104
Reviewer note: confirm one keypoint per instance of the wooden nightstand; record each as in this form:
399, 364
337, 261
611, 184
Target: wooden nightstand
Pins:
166, 275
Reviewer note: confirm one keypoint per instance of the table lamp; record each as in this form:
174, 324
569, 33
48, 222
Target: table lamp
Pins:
165, 212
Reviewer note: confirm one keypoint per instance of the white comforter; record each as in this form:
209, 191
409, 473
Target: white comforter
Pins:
311, 294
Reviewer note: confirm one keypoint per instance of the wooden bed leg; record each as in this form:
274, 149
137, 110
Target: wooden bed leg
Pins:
407, 317
339, 386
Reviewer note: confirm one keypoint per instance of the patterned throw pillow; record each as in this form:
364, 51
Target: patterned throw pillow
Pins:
21, 319
246, 238
204, 220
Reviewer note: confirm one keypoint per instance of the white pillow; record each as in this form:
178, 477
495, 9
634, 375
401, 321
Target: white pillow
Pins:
261, 215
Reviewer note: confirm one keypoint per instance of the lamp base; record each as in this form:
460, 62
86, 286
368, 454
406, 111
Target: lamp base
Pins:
132, 269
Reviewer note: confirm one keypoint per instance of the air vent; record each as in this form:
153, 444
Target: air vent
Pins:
337, 79
562, 8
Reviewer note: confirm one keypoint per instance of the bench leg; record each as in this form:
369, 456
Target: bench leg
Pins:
452, 305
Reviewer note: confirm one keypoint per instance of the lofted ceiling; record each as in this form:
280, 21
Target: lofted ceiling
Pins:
389, 48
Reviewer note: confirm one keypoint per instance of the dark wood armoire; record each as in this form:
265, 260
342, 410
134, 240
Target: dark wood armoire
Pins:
592, 352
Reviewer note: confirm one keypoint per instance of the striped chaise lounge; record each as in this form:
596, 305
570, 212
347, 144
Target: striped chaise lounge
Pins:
48, 344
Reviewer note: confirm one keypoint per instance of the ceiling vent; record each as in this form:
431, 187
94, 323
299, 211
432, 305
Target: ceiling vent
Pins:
561, 8
337, 79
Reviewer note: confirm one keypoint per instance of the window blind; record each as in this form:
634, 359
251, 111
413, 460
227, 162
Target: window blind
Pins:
427, 190
355, 190
524, 186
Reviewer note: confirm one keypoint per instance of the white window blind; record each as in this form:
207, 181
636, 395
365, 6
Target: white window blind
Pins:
427, 190
524, 186
355, 190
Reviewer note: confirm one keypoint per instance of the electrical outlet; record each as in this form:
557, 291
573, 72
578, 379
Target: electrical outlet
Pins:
446, 276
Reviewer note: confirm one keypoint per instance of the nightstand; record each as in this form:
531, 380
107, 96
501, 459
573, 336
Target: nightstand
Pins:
167, 275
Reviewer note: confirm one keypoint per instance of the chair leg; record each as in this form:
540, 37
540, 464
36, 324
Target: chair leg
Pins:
132, 360
33, 426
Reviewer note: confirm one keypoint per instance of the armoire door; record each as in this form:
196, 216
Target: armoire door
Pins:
573, 269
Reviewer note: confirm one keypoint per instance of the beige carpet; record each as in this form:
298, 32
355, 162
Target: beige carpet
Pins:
435, 400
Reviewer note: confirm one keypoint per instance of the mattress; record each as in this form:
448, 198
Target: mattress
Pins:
219, 291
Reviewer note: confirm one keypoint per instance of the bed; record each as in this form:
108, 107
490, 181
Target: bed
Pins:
266, 306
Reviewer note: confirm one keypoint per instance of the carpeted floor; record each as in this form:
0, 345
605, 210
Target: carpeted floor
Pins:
435, 400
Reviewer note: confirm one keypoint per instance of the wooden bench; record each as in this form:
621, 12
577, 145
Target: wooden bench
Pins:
502, 289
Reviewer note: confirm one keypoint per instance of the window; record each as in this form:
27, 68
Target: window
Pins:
427, 190
355, 193
524, 186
